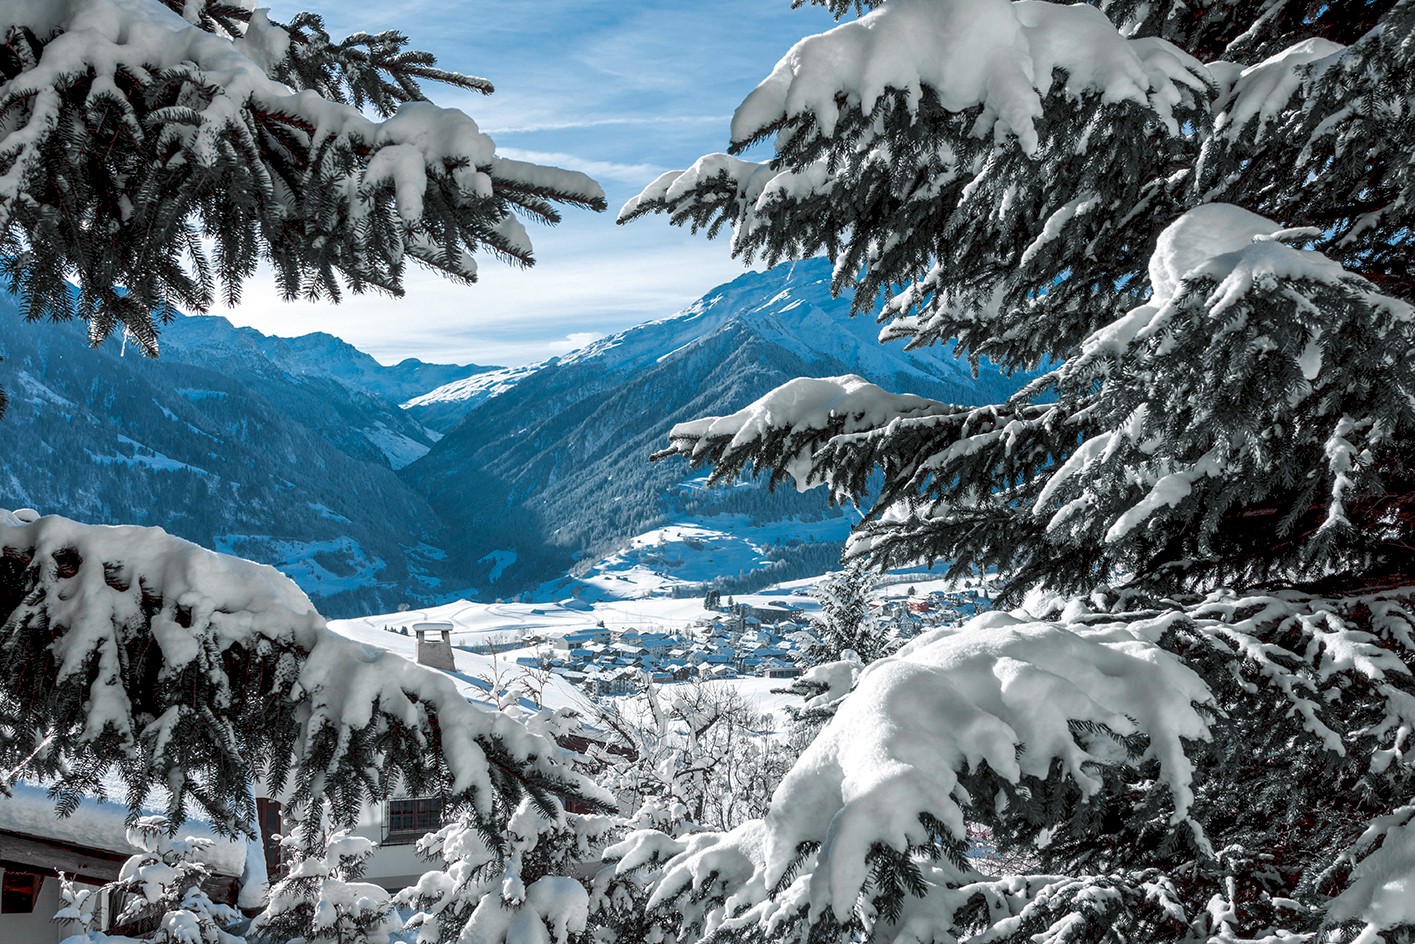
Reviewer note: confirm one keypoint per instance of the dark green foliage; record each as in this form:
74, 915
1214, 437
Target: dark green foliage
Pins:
1248, 32
161, 895
908, 217
1264, 476
846, 622
126, 652
1341, 158
153, 187
321, 901
1253, 432
1303, 770
1232, 406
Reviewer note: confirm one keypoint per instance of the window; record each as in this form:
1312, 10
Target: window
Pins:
410, 819
18, 892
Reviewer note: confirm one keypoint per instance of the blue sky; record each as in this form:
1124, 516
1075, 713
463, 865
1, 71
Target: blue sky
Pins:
620, 89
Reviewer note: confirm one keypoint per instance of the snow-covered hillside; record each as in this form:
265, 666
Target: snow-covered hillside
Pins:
545, 468
789, 307
220, 443
693, 553
284, 450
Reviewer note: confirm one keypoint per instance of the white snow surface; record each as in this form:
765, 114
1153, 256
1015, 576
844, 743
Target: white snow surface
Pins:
989, 53
961, 697
1263, 90
690, 552
804, 405
399, 449
477, 676
513, 624
475, 388
1382, 890
1197, 237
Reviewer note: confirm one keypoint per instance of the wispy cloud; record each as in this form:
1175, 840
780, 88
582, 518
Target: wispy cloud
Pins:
632, 173
621, 91
617, 121
572, 342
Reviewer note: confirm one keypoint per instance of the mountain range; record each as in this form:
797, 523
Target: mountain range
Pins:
376, 485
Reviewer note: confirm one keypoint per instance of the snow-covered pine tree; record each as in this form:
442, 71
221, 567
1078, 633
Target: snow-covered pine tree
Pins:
509, 885
128, 654
1195, 218
154, 152
845, 622
1021, 217
321, 900
158, 895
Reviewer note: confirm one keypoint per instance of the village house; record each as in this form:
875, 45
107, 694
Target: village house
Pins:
89, 847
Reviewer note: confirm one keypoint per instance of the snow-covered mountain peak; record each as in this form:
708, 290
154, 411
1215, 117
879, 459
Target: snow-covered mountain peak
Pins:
789, 307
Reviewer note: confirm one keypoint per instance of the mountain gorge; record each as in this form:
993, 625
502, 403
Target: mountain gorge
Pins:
549, 467
376, 485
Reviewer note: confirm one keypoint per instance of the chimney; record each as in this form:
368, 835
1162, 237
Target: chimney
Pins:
435, 645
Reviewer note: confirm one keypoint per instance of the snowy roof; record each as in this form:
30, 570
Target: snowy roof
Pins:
102, 824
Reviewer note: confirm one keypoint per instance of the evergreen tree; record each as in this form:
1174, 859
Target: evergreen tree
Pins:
506, 885
129, 657
321, 900
1195, 218
154, 162
157, 895
845, 622
1025, 219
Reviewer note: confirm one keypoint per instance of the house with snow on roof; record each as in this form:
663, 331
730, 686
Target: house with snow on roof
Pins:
90, 847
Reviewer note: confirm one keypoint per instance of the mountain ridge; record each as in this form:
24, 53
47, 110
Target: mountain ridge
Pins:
550, 466
296, 451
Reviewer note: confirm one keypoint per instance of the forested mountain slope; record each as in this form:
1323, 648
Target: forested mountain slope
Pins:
295, 452
549, 464
234, 455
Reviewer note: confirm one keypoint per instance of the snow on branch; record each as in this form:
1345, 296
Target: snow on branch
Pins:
1252, 359
1249, 353
992, 54
783, 430
124, 649
1149, 719
971, 700
1264, 91
970, 162
185, 154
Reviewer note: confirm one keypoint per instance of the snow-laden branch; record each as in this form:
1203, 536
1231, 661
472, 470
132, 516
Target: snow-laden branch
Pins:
999, 55
945, 156
784, 429
1147, 720
130, 139
1180, 424
136, 652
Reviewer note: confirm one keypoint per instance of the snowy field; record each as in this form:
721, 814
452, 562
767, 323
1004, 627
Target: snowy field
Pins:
512, 624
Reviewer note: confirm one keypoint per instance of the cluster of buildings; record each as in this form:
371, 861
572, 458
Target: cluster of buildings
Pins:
766, 642
775, 641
